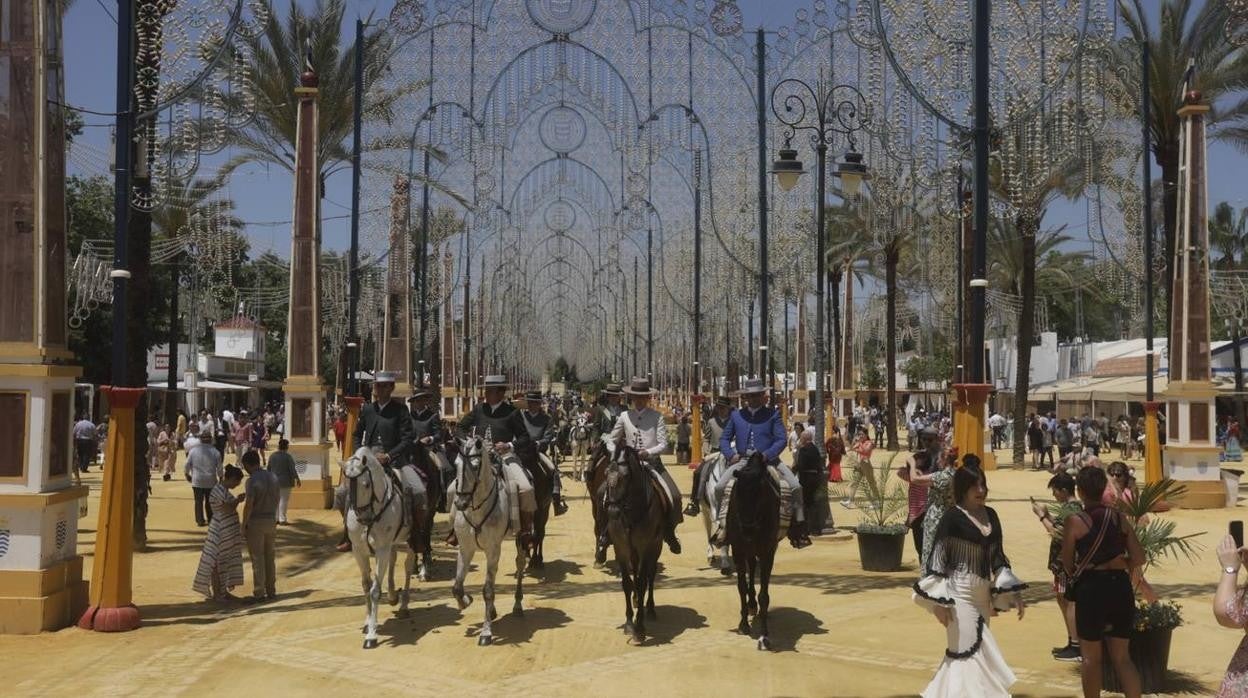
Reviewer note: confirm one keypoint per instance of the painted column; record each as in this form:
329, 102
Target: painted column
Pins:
396, 344
1191, 453
305, 392
845, 392
801, 392
450, 395
41, 586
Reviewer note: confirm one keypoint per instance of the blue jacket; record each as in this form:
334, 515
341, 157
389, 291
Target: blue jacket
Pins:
761, 431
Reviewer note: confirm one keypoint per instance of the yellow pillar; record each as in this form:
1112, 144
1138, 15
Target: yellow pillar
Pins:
111, 609
353, 417
784, 413
1152, 444
969, 436
829, 419
695, 439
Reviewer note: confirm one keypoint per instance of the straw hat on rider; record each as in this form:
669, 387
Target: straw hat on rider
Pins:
386, 377
723, 401
613, 389
495, 382
639, 387
422, 393
533, 396
753, 386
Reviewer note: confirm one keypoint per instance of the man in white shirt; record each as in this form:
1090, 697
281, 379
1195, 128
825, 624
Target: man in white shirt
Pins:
997, 423
644, 429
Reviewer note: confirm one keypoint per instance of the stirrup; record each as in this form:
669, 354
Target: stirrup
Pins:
561, 507
692, 508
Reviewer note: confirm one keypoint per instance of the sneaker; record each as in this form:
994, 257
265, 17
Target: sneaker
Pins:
1070, 653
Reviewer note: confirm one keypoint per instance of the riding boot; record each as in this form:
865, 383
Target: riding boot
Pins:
797, 534
344, 545
692, 508
526, 525
415, 541
452, 539
669, 535
561, 507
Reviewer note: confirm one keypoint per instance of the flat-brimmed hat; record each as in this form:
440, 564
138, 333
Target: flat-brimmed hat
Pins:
386, 377
639, 387
753, 386
613, 389
495, 382
723, 401
423, 392
533, 396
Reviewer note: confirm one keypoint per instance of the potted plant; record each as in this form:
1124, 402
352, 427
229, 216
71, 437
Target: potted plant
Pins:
882, 501
1155, 620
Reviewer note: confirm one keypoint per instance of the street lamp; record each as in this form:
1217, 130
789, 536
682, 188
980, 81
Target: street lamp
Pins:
839, 109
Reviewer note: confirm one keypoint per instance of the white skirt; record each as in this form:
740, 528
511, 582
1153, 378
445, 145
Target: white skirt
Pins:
973, 666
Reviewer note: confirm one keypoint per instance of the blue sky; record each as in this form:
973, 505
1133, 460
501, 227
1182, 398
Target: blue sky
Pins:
264, 196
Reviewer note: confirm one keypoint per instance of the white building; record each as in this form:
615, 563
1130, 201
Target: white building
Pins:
230, 374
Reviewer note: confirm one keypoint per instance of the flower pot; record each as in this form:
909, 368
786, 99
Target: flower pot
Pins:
881, 552
1150, 653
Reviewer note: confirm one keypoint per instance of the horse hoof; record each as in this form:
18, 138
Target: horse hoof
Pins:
743, 628
370, 643
637, 640
628, 629
484, 640
401, 613
393, 598
724, 571
764, 645
463, 601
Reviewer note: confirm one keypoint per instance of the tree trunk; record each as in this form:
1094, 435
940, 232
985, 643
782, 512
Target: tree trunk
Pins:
891, 256
141, 328
1027, 228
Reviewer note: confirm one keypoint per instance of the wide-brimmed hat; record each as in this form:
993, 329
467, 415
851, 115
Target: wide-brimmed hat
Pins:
533, 396
613, 389
386, 377
723, 401
495, 382
753, 386
423, 392
639, 387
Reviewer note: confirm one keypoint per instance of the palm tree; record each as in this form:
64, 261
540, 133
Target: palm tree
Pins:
1228, 236
1221, 71
275, 58
847, 258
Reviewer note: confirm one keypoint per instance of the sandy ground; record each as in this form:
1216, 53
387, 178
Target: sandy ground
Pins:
838, 631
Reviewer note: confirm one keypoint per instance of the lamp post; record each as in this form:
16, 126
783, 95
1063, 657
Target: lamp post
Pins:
838, 109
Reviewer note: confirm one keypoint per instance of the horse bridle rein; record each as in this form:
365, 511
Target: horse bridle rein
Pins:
368, 515
464, 500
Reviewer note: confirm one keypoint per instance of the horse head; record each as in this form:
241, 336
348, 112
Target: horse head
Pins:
626, 482
474, 460
365, 478
748, 492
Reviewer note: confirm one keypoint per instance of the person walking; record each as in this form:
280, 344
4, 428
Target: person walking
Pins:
925, 461
260, 525
997, 423
967, 580
1125, 442
282, 465
835, 446
1099, 549
84, 442
684, 433
221, 560
203, 471
1062, 486
166, 453
1035, 442
863, 470
260, 438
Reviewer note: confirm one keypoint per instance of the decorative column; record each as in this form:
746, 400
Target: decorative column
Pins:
801, 392
1191, 454
305, 392
41, 585
845, 392
396, 344
450, 396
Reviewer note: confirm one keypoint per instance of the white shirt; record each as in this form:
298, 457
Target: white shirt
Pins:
644, 430
227, 417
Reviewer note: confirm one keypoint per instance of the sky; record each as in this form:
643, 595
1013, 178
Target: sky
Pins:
262, 196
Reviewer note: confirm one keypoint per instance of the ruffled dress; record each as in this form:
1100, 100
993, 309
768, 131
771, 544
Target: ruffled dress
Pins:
1235, 683
939, 499
969, 573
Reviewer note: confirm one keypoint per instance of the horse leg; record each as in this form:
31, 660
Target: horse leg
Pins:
639, 598
743, 592
492, 552
409, 568
626, 582
764, 599
517, 609
654, 572
467, 548
752, 561
360, 552
426, 537
393, 596
374, 597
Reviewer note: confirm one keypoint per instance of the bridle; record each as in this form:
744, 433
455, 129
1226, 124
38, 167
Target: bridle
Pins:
617, 495
471, 461
368, 514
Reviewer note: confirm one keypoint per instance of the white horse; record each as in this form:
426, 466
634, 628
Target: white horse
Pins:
482, 519
377, 520
713, 469
579, 436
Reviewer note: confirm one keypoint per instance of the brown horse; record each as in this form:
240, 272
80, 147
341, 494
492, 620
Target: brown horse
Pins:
753, 532
595, 482
635, 525
544, 491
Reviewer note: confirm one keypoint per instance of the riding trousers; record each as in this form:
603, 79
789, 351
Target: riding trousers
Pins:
786, 473
515, 476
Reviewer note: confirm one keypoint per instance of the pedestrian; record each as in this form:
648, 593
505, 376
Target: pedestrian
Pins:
1035, 441
1230, 608
835, 446
997, 423
927, 460
166, 453
863, 470
1091, 439
966, 581
340, 430
808, 467
181, 427
1053, 518
153, 446
260, 525
684, 432
1064, 438
939, 496
84, 442
260, 438
282, 465
1125, 442
203, 471
795, 436
1099, 548
221, 561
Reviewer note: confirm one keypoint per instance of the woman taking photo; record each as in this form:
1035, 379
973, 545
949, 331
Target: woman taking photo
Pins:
967, 580
1099, 550
1230, 607
221, 562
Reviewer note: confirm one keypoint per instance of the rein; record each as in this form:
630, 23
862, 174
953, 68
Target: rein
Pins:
466, 502
368, 515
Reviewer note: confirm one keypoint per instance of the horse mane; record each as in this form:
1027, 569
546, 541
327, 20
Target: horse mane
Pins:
638, 487
749, 495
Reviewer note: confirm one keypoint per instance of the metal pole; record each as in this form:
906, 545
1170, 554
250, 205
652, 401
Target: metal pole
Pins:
1145, 118
764, 276
121, 185
353, 258
636, 325
697, 269
816, 410
650, 301
983, 10
171, 393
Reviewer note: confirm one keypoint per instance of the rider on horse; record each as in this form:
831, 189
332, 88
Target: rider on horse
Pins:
644, 429
499, 419
606, 414
757, 427
541, 431
427, 427
712, 429
386, 427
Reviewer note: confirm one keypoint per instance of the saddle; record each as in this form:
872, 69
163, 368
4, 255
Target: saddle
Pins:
778, 485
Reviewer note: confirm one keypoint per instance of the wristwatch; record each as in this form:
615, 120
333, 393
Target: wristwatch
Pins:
1231, 570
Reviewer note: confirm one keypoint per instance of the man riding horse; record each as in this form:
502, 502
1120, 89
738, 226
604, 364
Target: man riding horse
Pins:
385, 426
712, 429
541, 431
427, 430
757, 427
644, 429
501, 421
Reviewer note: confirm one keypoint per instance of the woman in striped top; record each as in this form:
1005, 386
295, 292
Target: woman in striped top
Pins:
221, 563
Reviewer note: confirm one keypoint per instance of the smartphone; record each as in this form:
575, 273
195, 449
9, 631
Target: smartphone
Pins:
1237, 532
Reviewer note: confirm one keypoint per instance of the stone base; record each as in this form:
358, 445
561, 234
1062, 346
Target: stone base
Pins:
1202, 494
314, 494
32, 601
118, 619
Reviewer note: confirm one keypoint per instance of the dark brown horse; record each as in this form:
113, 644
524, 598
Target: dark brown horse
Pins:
635, 524
435, 490
544, 490
753, 528
595, 482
